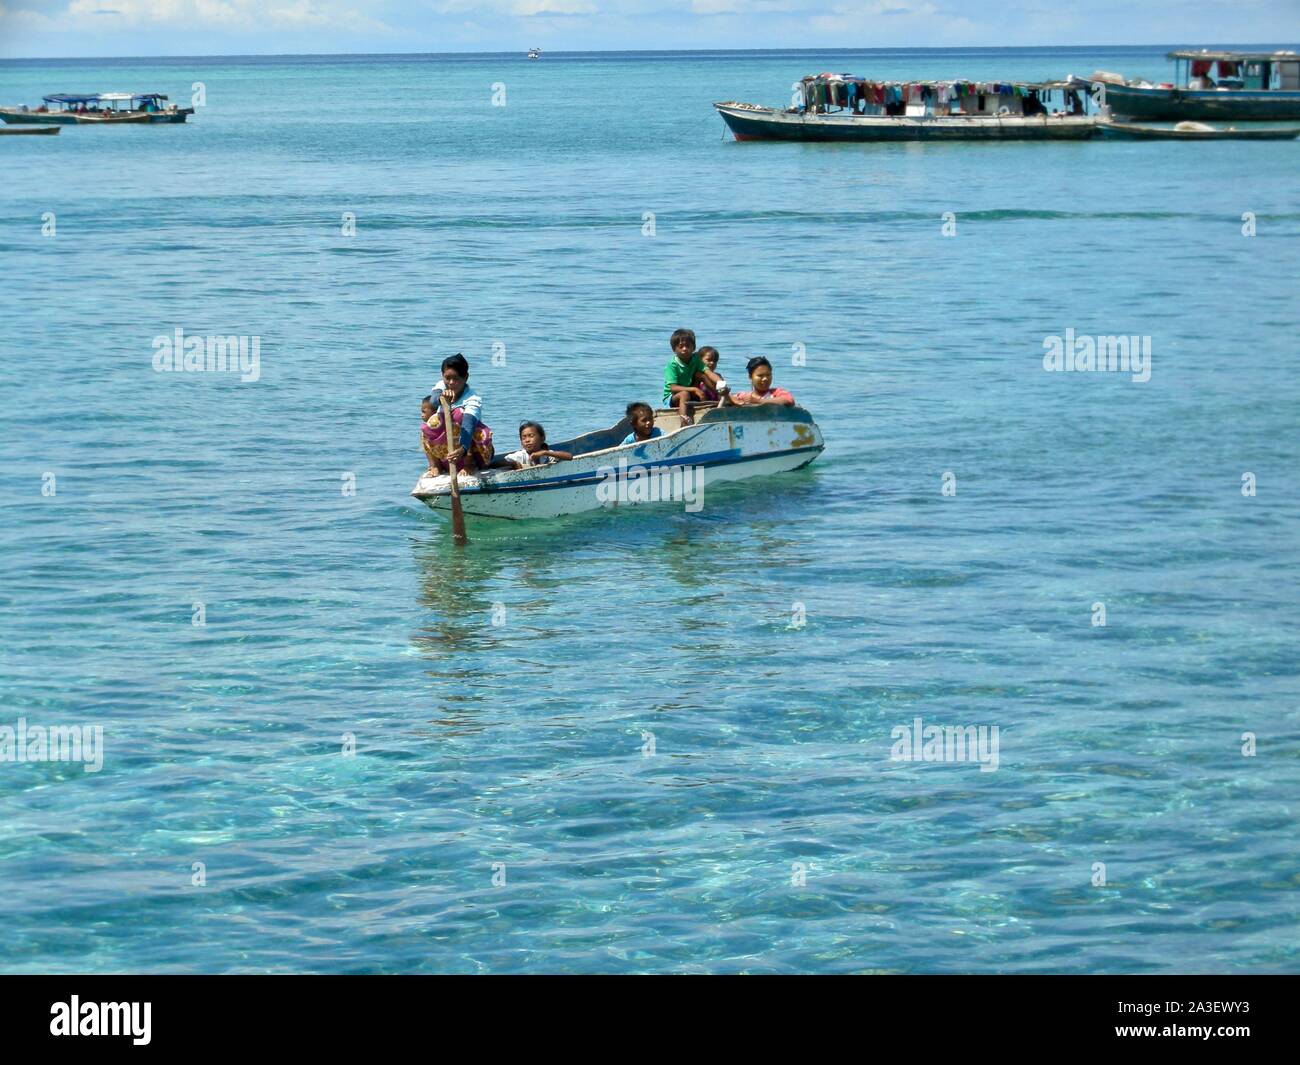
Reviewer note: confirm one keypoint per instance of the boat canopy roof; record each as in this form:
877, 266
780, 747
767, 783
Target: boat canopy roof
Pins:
1233, 57
984, 86
96, 97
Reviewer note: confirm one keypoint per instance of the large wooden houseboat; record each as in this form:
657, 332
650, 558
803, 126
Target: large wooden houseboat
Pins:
842, 107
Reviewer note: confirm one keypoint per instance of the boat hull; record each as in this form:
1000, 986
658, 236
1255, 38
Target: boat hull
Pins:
1126, 132
673, 470
37, 118
1175, 105
170, 118
113, 120
29, 130
748, 122
77, 118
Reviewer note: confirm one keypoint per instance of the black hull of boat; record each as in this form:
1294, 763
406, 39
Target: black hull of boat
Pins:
1201, 105
38, 118
752, 123
74, 118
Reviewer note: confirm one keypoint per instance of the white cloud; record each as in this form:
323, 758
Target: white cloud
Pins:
529, 8
517, 8
246, 15
26, 19
752, 7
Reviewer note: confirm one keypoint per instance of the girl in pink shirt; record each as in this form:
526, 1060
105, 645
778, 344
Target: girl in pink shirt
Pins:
760, 376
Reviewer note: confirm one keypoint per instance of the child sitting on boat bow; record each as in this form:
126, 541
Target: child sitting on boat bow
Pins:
471, 440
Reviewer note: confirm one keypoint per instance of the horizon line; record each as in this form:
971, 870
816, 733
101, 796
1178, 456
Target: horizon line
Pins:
662, 51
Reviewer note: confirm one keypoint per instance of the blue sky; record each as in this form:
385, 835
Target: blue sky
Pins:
38, 28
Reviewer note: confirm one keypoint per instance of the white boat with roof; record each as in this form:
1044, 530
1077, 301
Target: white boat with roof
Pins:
98, 108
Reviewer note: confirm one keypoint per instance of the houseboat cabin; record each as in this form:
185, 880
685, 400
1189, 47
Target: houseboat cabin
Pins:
831, 93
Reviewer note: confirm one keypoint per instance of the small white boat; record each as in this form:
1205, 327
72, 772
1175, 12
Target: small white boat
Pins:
1199, 131
534, 53
725, 444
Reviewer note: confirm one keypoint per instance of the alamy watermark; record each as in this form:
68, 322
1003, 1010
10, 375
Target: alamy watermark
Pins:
946, 743
1083, 353
651, 484
53, 743
179, 353
79, 1018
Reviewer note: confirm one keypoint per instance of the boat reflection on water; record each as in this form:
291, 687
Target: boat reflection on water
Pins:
456, 588
503, 588
542, 635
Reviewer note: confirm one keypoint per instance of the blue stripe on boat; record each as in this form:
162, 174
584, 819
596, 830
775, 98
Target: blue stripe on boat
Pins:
716, 458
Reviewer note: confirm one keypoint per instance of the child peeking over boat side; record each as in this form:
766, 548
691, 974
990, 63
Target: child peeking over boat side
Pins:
534, 451
643, 424
760, 376
426, 412
471, 442
682, 372
709, 356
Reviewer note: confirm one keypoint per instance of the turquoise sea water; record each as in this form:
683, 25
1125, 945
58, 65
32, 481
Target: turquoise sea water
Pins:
501, 695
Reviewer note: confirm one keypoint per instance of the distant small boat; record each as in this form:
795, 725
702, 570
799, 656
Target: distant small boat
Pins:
725, 444
534, 53
159, 110
28, 130
1198, 131
98, 108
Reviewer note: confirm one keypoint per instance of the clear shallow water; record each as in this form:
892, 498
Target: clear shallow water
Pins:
522, 743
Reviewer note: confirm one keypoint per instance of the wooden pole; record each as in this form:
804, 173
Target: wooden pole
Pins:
448, 430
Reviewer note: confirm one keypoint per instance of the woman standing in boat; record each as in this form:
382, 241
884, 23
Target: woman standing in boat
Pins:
760, 376
472, 441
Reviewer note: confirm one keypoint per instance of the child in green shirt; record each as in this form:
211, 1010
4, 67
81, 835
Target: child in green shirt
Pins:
681, 373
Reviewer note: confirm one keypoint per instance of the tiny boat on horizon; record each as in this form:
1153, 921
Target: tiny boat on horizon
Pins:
534, 53
1198, 131
724, 444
